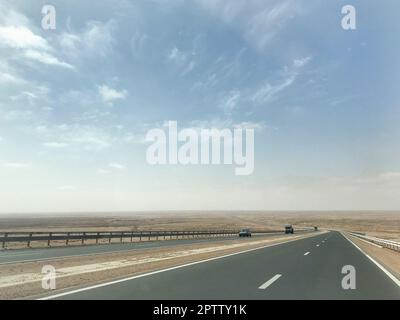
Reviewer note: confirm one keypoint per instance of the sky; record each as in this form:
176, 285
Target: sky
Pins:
76, 103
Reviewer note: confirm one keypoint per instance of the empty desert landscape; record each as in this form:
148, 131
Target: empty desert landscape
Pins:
22, 279
383, 224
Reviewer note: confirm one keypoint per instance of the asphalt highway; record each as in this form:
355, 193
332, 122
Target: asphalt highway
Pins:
43, 254
309, 268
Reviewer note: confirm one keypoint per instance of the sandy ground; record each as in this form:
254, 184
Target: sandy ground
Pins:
390, 259
382, 224
24, 279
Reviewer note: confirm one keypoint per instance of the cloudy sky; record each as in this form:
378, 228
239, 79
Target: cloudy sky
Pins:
76, 103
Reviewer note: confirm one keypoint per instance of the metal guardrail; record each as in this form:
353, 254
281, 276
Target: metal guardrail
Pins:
382, 242
108, 236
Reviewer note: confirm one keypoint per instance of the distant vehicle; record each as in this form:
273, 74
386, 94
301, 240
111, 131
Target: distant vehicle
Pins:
245, 233
315, 228
289, 229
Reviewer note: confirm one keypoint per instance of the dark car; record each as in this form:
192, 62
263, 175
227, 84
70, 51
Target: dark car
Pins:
245, 233
289, 229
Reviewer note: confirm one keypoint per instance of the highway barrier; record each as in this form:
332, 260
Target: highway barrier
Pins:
101, 237
381, 242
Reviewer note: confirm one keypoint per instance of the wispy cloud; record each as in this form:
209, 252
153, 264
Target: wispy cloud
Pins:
56, 145
230, 101
46, 58
177, 56
301, 62
17, 115
17, 165
267, 92
7, 78
20, 40
109, 95
184, 60
95, 40
117, 166
259, 21
271, 89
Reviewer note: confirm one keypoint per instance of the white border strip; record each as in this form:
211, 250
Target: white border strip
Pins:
164, 270
391, 276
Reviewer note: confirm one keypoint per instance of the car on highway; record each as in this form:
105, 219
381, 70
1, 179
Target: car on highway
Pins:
245, 233
289, 229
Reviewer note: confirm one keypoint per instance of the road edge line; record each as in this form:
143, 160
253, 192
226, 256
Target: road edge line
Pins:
160, 271
387, 272
370, 243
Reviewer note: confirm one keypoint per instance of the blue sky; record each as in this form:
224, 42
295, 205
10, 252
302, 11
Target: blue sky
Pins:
76, 103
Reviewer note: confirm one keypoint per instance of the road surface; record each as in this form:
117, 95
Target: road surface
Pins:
43, 254
309, 268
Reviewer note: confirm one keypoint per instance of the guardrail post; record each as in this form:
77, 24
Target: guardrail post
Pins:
48, 240
83, 238
29, 240
67, 241
149, 235
97, 237
122, 234
109, 238
140, 237
4, 240
131, 236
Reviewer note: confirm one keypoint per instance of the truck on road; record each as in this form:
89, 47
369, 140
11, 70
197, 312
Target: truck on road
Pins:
289, 229
245, 233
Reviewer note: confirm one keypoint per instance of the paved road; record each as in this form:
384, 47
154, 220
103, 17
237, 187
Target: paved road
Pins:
27, 255
304, 269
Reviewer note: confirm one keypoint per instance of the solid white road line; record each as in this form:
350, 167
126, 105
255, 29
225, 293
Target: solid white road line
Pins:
391, 276
307, 253
162, 270
269, 282
374, 244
